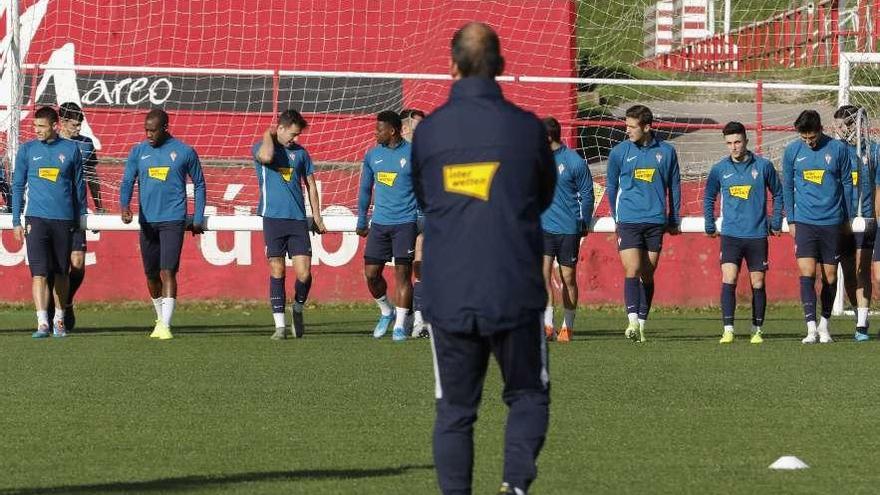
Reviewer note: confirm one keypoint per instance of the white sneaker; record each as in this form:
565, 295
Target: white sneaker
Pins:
417, 328
811, 338
825, 337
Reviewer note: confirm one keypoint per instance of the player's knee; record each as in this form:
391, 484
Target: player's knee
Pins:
304, 277
757, 284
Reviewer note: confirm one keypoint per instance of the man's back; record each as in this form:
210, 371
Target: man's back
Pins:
483, 174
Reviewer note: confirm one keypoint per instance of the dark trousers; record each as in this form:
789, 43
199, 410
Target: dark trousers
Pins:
460, 363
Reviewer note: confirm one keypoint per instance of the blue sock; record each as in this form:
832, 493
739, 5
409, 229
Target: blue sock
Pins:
828, 293
759, 306
631, 294
417, 296
276, 294
728, 303
647, 296
301, 290
808, 297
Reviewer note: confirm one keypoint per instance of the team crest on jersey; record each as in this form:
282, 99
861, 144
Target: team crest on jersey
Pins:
402, 162
754, 173
827, 159
173, 155
561, 168
61, 157
292, 155
659, 157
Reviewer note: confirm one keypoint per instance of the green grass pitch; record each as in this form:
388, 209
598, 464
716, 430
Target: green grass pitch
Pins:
221, 409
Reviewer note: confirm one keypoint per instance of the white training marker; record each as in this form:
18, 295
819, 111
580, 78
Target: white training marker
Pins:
789, 462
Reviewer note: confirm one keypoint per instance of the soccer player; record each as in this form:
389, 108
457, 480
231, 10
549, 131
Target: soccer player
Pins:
644, 193
392, 232
857, 247
484, 173
410, 119
160, 165
564, 223
49, 171
283, 167
71, 121
817, 187
743, 181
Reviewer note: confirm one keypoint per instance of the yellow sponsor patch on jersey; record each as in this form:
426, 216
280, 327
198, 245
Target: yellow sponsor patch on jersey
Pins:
814, 176
855, 176
470, 179
49, 173
158, 173
386, 178
286, 173
741, 192
645, 174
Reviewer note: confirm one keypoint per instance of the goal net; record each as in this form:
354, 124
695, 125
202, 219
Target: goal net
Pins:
224, 70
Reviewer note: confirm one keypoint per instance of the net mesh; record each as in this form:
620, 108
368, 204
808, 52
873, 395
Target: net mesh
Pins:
224, 70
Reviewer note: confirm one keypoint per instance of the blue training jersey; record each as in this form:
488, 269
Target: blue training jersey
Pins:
161, 176
817, 183
864, 177
390, 171
743, 188
48, 181
572, 206
643, 183
281, 182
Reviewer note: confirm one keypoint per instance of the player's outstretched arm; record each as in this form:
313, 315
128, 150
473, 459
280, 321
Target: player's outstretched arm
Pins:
788, 187
588, 200
19, 183
365, 193
612, 181
674, 191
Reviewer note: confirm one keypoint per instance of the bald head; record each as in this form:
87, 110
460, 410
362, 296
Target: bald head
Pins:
476, 51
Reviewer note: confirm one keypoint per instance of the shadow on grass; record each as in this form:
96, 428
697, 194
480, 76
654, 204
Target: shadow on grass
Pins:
209, 328
184, 483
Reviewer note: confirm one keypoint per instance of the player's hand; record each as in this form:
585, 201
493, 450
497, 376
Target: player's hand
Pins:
197, 229
19, 233
791, 229
673, 229
126, 215
775, 233
318, 225
712, 234
362, 232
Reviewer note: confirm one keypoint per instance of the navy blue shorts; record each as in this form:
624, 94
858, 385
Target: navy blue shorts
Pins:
79, 240
646, 236
286, 237
858, 240
48, 245
161, 243
754, 251
387, 241
820, 242
563, 247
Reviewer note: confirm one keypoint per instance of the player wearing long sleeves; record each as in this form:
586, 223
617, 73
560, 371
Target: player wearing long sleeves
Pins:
743, 181
856, 247
72, 117
283, 168
644, 194
564, 223
817, 188
48, 186
160, 166
386, 181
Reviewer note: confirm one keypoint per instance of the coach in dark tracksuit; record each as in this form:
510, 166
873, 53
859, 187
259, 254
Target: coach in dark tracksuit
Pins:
483, 172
